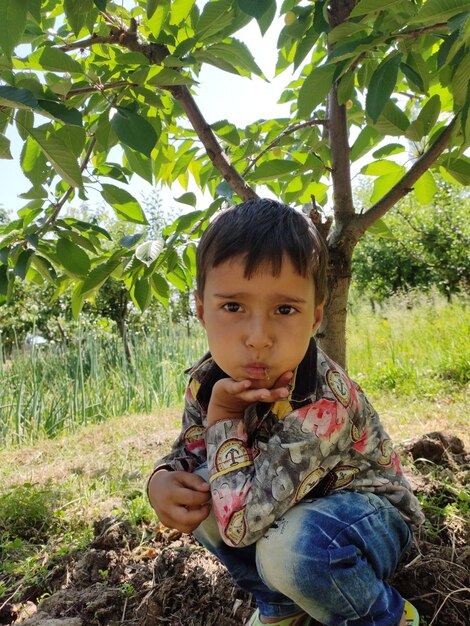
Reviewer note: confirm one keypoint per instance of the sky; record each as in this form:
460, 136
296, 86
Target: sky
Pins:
219, 96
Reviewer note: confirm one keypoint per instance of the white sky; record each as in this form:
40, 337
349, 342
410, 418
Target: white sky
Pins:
219, 96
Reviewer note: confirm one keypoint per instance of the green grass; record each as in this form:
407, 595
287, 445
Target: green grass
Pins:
418, 352
54, 389
421, 352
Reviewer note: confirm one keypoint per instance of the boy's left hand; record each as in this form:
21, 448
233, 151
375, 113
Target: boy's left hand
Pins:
230, 398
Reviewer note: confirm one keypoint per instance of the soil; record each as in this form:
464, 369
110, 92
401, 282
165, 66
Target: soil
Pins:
166, 578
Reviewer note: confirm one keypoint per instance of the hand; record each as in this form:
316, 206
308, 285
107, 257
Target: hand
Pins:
230, 398
180, 499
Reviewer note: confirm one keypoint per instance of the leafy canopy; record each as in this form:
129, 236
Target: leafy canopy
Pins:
79, 77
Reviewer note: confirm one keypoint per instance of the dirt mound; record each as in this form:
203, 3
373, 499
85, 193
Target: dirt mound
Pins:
169, 579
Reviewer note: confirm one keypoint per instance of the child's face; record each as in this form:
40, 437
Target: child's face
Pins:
258, 328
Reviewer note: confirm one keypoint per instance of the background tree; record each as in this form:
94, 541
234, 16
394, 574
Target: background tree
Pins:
417, 247
372, 75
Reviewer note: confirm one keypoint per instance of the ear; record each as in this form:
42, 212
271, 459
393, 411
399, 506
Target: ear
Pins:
199, 308
318, 318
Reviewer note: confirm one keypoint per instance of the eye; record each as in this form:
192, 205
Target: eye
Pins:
286, 309
232, 307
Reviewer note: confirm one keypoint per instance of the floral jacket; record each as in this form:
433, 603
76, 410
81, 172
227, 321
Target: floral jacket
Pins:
324, 436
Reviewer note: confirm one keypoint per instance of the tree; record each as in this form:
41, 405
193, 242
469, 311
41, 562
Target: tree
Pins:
95, 73
418, 247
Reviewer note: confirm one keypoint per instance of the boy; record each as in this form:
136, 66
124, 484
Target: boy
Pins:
282, 468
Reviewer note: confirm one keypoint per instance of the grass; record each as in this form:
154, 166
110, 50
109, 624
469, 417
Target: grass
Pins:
412, 363
54, 389
417, 348
420, 352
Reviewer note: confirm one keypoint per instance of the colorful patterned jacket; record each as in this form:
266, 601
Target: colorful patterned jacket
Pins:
324, 436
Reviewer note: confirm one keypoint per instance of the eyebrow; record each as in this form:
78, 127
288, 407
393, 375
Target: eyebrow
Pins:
277, 296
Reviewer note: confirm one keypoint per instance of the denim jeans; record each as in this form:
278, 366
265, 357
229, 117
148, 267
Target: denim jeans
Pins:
329, 556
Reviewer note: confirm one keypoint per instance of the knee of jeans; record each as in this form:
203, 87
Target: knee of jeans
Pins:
277, 564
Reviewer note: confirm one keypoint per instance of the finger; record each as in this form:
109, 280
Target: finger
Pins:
283, 380
189, 497
187, 520
193, 481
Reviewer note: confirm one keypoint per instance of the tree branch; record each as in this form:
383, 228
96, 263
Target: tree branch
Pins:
156, 53
288, 131
102, 87
417, 32
405, 184
211, 144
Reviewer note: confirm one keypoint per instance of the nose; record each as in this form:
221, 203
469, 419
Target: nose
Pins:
258, 333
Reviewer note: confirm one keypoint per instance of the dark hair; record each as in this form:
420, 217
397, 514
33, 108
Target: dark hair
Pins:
263, 231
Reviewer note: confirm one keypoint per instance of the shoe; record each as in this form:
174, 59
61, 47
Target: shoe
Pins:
300, 619
411, 614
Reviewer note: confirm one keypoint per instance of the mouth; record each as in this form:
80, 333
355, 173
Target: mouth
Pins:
257, 371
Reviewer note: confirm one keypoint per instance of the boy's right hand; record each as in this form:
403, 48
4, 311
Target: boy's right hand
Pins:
180, 499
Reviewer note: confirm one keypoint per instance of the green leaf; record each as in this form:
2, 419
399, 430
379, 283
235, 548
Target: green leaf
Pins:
76, 12
440, 10
365, 7
151, 7
24, 119
380, 229
100, 4
365, 141
425, 188
161, 288
139, 164
134, 130
383, 184
33, 163
61, 112
73, 258
5, 152
125, 206
389, 149
180, 10
3, 280
236, 53
23, 262
62, 159
132, 58
56, 60
426, 119
187, 198
74, 137
17, 98
272, 170
256, 9
142, 293
458, 169
315, 88
13, 15
392, 121
381, 86
166, 76
97, 277
382, 167
215, 17
159, 15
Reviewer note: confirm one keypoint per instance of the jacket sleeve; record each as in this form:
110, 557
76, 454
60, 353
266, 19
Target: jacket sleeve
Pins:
189, 449
252, 486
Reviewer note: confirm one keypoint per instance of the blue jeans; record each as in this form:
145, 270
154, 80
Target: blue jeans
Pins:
329, 556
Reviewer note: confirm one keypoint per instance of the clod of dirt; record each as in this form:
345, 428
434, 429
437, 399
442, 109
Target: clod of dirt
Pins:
437, 447
42, 619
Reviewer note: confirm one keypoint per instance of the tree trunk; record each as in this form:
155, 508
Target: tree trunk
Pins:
332, 335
